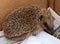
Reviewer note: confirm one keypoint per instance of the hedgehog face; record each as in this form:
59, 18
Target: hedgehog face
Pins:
45, 19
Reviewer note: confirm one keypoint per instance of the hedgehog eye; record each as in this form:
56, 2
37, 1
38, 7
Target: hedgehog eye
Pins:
41, 17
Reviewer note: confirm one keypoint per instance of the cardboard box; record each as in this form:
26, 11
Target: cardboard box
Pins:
54, 4
6, 6
51, 3
57, 6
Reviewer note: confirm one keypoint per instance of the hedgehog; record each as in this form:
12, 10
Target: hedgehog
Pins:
26, 21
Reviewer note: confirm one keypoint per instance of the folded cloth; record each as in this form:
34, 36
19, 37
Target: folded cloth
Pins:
41, 38
32, 40
4, 40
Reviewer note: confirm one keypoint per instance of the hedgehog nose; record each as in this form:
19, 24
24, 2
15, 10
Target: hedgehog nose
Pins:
48, 28
46, 25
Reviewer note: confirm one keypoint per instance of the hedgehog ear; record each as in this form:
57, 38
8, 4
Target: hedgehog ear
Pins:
49, 11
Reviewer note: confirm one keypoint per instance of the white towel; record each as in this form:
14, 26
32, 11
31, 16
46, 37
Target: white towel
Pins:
41, 38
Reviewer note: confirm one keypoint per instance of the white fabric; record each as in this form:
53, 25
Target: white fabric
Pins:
41, 38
